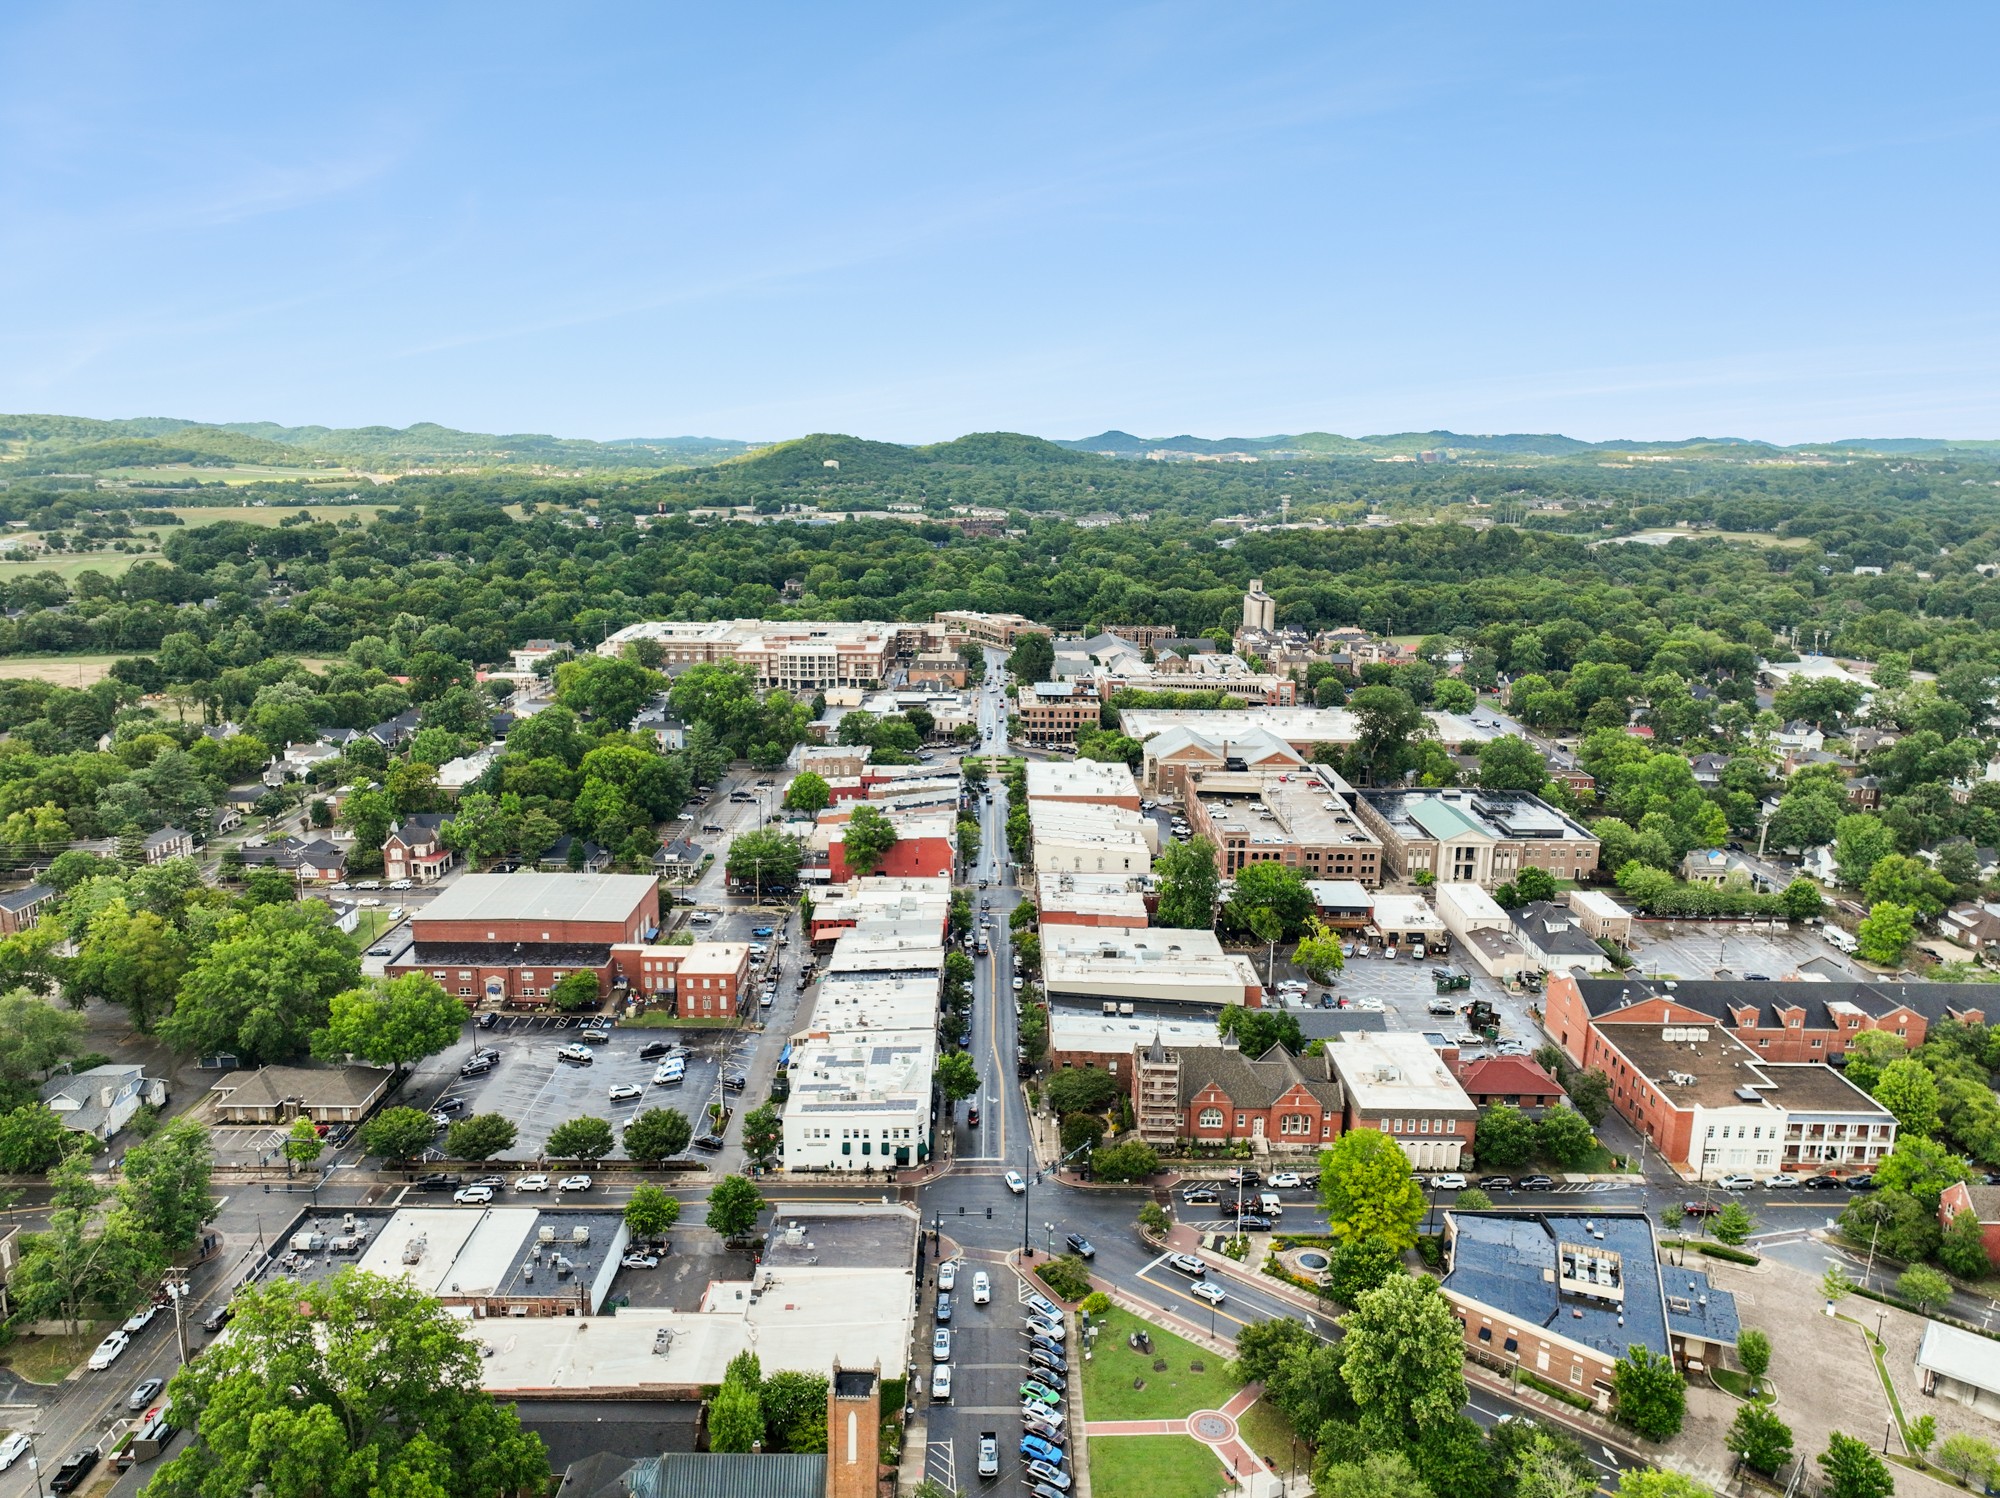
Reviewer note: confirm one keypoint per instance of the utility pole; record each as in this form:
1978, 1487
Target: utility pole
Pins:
177, 1292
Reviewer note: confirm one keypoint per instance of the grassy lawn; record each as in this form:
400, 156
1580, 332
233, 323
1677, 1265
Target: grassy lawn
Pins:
1269, 1434
1177, 1390
68, 564
47, 1360
1153, 1467
269, 514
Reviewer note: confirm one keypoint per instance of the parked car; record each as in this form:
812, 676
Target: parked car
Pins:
1040, 1392
1036, 1448
1861, 1183
941, 1345
1040, 1330
947, 1275
475, 1068
13, 1449
1207, 1290
1496, 1183
109, 1351
1040, 1358
734, 1081
1781, 1183
763, 931
532, 1183
140, 1319
1284, 1180
575, 1055
144, 1393
708, 1142
1200, 1196
989, 1454
1040, 1420
69, 1476
1736, 1183
1537, 1183
573, 1183
640, 1259
653, 1050
670, 1073
943, 1307
1451, 1180
1053, 1476
941, 1382
621, 1091
473, 1196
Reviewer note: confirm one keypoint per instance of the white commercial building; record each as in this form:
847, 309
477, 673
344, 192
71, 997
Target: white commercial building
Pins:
1102, 782
1300, 727
1075, 838
1397, 1082
1483, 929
1406, 920
860, 1104
1113, 967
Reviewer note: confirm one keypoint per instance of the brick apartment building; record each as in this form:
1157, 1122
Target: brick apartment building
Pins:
1983, 1202
1052, 713
1300, 817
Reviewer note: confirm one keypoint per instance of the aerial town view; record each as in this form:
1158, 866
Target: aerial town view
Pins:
929, 946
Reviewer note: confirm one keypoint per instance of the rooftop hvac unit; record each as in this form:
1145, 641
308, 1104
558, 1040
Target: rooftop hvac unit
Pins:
546, 1234
579, 1234
413, 1251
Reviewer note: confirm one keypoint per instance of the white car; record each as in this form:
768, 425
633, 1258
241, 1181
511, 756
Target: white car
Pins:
1284, 1180
1452, 1181
1737, 1183
108, 1351
532, 1183
1207, 1290
1781, 1183
1366, 1004
941, 1345
140, 1319
573, 1183
941, 1382
670, 1074
638, 1260
368, 900
1014, 1182
948, 1275
1017, 985
624, 1090
399, 884
473, 1196
13, 1449
982, 1288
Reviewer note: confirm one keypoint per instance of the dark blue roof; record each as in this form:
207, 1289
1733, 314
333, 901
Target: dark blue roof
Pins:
1510, 1261
1710, 1313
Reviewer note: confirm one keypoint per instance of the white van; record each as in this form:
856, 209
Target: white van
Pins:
1270, 1206
1840, 938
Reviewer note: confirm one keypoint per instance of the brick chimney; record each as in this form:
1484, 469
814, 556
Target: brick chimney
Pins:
853, 1432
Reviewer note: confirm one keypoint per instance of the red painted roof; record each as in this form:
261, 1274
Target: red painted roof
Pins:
1513, 1076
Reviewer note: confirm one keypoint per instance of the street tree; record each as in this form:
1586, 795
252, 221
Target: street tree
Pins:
346, 1387
1273, 890
398, 1133
609, 690
1032, 658
302, 1144
657, 1134
1753, 1351
764, 859
1319, 953
1379, 1474
88, 1261
957, 1077
1651, 1394
1885, 933
1923, 1168
1969, 1456
1189, 885
1360, 1266
867, 839
1760, 1438
1924, 1285
1403, 1356
264, 985
584, 1138
1368, 1189
1505, 1136
480, 1137
391, 1022
733, 1207
1733, 1223
651, 1213
1853, 1470
1908, 1090
1131, 1161
1647, 1482
166, 1183
1262, 1345
808, 793
763, 1134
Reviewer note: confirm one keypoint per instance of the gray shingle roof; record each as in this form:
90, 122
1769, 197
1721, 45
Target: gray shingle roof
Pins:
1250, 1082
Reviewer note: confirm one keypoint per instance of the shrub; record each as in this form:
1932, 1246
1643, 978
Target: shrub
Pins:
1067, 1276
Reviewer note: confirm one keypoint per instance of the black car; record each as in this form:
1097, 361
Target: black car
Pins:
653, 1050
449, 1104
216, 1319
1200, 1196
489, 1019
1250, 1222
708, 1142
1861, 1183
734, 1081
69, 1476
1823, 1183
1080, 1246
1047, 1360
1536, 1183
475, 1068
1496, 1183
437, 1183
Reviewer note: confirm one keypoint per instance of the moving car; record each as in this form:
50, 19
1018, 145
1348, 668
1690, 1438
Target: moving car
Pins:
573, 1183
1207, 1290
575, 1055
1014, 1182
982, 1288
941, 1382
475, 1068
532, 1183
941, 1345
639, 1259
623, 1090
140, 1319
709, 1142
1699, 1209
1200, 1196
144, 1392
109, 1351
1081, 1246
473, 1196
1250, 1222
1284, 1180
1186, 1264
12, 1449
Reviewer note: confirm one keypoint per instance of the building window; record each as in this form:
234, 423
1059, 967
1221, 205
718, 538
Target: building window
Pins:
1239, 1120
1576, 1374
1211, 1118
1512, 1344
1486, 1334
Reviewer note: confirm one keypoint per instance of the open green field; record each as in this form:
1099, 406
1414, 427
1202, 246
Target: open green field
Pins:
1269, 1434
1153, 1467
1167, 1393
48, 1360
239, 473
265, 514
68, 565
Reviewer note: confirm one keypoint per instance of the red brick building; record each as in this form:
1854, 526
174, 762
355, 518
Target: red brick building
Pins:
1983, 1202
1508, 1079
496, 939
707, 980
926, 847
415, 849
1217, 1095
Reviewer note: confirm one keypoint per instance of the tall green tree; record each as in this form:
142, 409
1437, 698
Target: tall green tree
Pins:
957, 1077
584, 1138
1651, 1394
657, 1134
398, 1133
763, 1135
808, 793
1885, 933
1403, 1356
1760, 1438
391, 1022
135, 959
166, 1183
302, 1144
1368, 1189
347, 1387
651, 1213
734, 1205
1852, 1470
1189, 886
263, 985
1908, 1090
480, 1136
868, 839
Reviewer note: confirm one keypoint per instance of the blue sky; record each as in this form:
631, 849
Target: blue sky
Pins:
910, 222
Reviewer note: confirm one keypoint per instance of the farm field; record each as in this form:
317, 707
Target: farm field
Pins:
266, 514
84, 670
241, 473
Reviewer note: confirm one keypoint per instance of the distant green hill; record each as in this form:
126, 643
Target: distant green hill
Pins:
1512, 444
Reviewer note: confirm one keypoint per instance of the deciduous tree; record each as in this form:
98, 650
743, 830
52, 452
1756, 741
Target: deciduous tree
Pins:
1853, 1470
391, 1021
1403, 1356
1189, 885
480, 1137
583, 1138
1368, 1189
263, 985
1651, 1394
651, 1213
1760, 1438
657, 1134
733, 1207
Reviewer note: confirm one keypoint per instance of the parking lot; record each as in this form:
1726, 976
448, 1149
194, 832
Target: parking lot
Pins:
538, 1092
1404, 988
1736, 949
989, 1364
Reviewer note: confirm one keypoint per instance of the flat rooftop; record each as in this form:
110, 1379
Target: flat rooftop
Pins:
1341, 895
1289, 806
1514, 1263
1082, 777
1811, 1087
1395, 1070
1295, 725
1074, 1029
529, 897
847, 1235
1442, 815
1406, 913
848, 1074
1694, 1065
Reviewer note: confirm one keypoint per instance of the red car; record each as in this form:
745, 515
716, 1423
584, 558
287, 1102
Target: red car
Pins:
1699, 1209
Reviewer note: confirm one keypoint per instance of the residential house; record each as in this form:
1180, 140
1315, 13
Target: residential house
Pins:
1708, 769
393, 733
168, 842
658, 719
454, 775
1974, 926
578, 855
279, 1094
101, 1101
1516, 1080
1553, 938
678, 860
415, 848
528, 656
314, 862
1864, 793
21, 908
1983, 1202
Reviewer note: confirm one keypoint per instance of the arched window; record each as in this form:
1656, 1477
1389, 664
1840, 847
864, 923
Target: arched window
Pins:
1211, 1118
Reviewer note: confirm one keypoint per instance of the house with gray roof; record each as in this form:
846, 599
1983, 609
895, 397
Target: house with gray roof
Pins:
1215, 1093
101, 1101
21, 908
1553, 940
